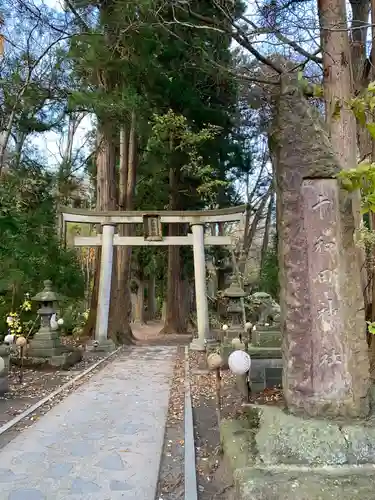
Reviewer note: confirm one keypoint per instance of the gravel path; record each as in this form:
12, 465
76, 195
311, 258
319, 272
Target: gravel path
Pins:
102, 442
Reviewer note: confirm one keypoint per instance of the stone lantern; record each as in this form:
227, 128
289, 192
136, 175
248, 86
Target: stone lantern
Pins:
4, 368
234, 294
46, 342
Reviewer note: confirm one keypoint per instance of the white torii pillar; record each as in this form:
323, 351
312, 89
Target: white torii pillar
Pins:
102, 342
199, 344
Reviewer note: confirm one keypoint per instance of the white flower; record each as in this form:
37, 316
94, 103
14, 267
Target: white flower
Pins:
60, 321
10, 320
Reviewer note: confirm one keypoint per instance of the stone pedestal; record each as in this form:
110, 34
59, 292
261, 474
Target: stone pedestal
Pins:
266, 336
46, 349
45, 344
4, 381
280, 456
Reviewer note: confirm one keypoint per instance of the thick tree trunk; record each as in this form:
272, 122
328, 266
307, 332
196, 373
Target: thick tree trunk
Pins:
105, 200
267, 227
141, 301
360, 64
121, 308
151, 298
174, 321
338, 89
371, 256
250, 231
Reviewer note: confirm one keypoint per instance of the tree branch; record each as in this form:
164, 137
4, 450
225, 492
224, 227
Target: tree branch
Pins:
237, 33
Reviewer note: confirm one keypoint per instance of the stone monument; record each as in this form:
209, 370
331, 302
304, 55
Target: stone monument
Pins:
322, 312
321, 446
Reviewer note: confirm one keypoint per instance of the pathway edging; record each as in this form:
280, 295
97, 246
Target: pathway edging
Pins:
190, 467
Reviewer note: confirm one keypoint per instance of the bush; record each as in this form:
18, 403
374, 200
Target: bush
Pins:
30, 250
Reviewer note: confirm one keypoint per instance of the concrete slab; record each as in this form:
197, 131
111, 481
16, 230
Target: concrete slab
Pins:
103, 442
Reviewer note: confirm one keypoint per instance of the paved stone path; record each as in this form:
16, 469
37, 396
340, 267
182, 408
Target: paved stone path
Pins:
102, 442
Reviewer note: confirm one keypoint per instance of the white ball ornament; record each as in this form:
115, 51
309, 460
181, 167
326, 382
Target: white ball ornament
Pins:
60, 321
239, 362
225, 328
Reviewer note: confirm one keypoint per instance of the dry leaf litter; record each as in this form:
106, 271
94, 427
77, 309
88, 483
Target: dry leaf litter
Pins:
203, 389
171, 476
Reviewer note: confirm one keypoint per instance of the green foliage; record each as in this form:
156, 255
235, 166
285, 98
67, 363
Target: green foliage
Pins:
171, 134
30, 251
361, 178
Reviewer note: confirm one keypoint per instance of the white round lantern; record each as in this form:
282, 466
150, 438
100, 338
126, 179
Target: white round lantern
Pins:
239, 362
9, 339
225, 328
60, 321
248, 326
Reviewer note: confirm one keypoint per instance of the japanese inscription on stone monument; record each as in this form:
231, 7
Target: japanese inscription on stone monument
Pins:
321, 221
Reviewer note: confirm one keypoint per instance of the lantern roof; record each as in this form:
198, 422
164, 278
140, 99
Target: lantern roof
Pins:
234, 290
47, 294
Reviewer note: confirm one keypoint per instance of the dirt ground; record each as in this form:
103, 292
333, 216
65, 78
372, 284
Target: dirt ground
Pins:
213, 475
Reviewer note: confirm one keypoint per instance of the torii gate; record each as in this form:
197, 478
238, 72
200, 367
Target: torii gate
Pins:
152, 222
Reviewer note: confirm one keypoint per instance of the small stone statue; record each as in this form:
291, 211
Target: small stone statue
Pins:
264, 308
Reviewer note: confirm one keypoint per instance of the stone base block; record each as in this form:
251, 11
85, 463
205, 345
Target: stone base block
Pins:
255, 484
46, 344
278, 456
63, 361
106, 345
197, 344
66, 360
45, 352
265, 373
4, 384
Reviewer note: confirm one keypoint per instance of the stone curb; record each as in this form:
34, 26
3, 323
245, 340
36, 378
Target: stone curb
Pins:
190, 467
4, 428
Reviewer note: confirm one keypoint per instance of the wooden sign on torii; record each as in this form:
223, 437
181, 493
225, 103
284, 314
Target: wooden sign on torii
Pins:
152, 223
